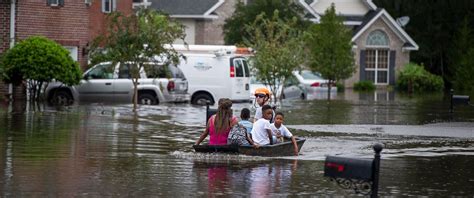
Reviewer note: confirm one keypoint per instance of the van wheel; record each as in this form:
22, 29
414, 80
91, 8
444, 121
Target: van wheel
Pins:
202, 99
61, 98
147, 99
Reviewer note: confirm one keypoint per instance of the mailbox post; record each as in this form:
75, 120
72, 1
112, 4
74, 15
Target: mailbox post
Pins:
458, 100
360, 175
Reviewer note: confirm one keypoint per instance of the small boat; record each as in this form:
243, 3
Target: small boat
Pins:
280, 149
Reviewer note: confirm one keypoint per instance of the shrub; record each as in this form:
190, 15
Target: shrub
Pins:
414, 78
39, 60
340, 87
364, 85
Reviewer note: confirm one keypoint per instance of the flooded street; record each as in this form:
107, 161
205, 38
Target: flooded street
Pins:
106, 150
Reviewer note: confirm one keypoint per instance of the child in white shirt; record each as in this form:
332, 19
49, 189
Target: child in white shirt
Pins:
261, 131
279, 131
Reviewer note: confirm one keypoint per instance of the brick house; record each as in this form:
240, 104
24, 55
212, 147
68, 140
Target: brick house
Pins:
71, 23
381, 46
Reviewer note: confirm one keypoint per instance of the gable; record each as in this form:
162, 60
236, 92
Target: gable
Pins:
343, 7
187, 8
381, 14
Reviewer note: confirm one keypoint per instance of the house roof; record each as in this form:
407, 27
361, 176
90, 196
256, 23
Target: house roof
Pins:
373, 16
187, 8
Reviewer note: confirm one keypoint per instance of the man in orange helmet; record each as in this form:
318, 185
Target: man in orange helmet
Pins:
262, 97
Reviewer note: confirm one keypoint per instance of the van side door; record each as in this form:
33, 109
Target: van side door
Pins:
240, 78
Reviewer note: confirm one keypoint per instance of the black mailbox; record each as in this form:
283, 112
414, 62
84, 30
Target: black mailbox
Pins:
460, 99
348, 168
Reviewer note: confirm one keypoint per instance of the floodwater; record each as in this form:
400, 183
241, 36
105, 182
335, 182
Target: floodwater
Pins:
106, 150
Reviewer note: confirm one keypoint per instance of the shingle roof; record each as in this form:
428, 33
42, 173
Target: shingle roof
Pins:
367, 18
183, 7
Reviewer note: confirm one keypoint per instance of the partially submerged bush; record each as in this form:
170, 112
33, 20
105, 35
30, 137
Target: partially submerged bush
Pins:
414, 78
364, 85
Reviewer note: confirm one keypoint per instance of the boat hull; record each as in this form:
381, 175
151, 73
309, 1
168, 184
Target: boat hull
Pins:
281, 149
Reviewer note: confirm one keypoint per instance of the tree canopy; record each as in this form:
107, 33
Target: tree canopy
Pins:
234, 33
38, 60
330, 48
138, 38
278, 47
434, 28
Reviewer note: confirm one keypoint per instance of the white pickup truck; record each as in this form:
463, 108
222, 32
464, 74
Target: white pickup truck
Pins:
113, 83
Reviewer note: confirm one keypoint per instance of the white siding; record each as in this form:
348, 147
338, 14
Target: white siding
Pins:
344, 7
190, 31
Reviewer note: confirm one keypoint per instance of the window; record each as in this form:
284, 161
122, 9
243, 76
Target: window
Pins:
55, 2
124, 71
108, 6
239, 68
104, 71
378, 38
377, 57
72, 52
376, 65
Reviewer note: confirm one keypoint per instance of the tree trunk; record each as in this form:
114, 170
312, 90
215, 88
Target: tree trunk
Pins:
329, 89
135, 94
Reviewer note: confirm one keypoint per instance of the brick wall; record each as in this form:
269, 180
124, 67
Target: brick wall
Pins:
209, 32
66, 25
4, 37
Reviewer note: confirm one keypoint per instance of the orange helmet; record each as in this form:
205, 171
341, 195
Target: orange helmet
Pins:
262, 90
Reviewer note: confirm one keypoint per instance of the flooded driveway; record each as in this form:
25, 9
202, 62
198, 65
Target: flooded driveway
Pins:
106, 150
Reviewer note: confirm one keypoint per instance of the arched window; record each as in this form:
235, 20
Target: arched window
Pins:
377, 58
377, 38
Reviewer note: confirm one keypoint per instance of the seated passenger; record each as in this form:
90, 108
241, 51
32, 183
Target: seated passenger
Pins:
244, 120
219, 125
279, 131
261, 131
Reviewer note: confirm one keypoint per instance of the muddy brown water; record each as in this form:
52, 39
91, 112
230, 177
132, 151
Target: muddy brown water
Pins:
106, 150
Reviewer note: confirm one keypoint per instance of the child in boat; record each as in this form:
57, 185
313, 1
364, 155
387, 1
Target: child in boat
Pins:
262, 97
261, 131
244, 120
279, 131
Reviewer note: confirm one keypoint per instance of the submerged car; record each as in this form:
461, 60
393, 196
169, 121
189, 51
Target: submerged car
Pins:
106, 82
313, 84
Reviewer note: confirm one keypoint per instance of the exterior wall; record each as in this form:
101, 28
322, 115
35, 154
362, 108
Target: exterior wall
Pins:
402, 57
97, 19
4, 37
345, 7
4, 25
66, 25
210, 32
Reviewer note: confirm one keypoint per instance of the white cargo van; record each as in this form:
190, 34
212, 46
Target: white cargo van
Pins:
215, 71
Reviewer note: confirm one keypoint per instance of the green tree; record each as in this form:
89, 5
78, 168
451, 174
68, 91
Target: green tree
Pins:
246, 14
330, 49
465, 70
434, 28
278, 47
138, 38
38, 60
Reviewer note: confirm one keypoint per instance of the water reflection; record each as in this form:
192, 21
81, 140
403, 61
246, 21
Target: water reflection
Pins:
260, 179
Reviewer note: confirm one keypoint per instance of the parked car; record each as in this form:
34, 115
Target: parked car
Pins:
292, 88
313, 84
107, 82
